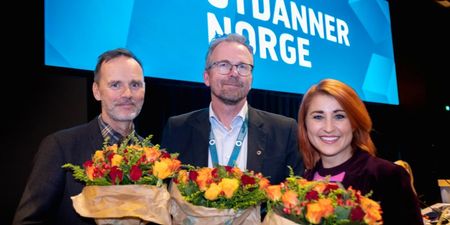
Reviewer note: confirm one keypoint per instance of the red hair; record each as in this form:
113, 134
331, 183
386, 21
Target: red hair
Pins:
354, 108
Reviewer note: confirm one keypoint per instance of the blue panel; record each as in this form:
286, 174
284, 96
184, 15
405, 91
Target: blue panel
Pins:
297, 43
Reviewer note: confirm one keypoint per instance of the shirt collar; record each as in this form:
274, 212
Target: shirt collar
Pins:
241, 115
108, 132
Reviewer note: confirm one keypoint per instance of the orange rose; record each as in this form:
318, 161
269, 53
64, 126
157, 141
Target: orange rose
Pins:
162, 169
175, 164
90, 172
263, 183
318, 210
273, 192
204, 178
313, 213
152, 153
372, 210
290, 199
320, 187
327, 207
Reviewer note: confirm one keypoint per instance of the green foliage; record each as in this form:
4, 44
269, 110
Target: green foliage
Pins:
246, 195
125, 164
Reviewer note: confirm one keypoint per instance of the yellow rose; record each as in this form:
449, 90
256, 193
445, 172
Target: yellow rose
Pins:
303, 181
162, 169
213, 192
229, 186
136, 147
183, 177
237, 172
116, 160
112, 148
98, 156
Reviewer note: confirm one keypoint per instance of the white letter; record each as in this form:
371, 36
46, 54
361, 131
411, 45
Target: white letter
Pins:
214, 26
283, 39
242, 26
315, 23
221, 4
342, 32
267, 44
265, 14
296, 16
329, 28
280, 13
240, 7
302, 52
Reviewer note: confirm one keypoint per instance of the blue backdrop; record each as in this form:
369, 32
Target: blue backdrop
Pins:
296, 43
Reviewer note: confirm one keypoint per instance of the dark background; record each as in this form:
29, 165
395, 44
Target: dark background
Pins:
41, 100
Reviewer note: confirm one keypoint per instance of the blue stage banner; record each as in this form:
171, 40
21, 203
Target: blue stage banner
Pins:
296, 43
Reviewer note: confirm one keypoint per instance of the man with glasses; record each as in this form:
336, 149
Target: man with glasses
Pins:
231, 132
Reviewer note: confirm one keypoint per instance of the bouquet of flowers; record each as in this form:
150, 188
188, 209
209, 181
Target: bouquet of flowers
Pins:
219, 195
126, 182
298, 201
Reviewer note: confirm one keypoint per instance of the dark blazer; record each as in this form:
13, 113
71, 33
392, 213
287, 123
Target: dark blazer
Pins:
272, 142
46, 198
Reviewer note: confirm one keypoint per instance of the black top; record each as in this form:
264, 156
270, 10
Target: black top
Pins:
389, 182
46, 198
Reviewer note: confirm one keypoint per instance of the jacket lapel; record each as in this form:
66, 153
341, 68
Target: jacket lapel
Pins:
256, 141
200, 138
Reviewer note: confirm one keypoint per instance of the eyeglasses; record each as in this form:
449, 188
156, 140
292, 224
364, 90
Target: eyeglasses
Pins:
225, 67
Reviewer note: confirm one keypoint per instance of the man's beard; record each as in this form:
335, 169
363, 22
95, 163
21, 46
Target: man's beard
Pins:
230, 99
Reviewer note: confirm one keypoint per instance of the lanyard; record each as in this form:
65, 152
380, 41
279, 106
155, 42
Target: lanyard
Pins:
236, 149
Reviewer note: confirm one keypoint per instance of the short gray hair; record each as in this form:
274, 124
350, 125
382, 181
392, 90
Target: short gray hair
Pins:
233, 37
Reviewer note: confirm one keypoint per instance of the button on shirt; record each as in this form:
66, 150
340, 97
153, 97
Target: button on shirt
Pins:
226, 138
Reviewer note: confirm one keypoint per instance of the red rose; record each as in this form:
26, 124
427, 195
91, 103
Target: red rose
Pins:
357, 214
247, 180
135, 173
312, 195
193, 175
116, 175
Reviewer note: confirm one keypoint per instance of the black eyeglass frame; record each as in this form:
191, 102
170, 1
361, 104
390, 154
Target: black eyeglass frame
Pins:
231, 67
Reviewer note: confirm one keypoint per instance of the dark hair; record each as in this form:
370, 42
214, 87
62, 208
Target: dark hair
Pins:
233, 37
352, 105
111, 54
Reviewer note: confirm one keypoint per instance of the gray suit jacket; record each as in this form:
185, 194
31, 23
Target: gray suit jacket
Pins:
46, 198
272, 142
